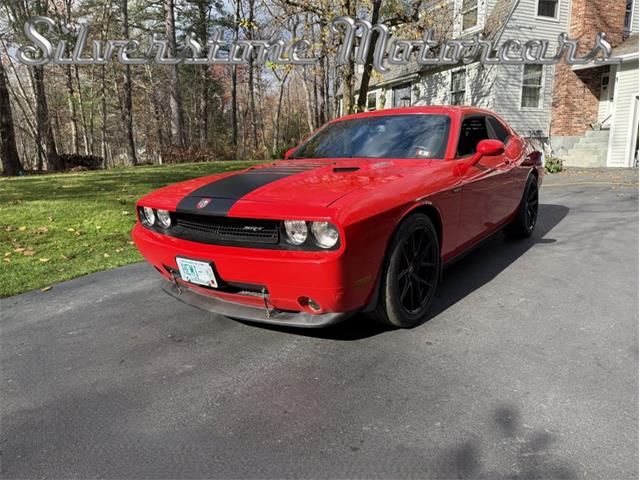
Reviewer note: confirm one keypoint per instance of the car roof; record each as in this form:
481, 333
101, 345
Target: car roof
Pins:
433, 110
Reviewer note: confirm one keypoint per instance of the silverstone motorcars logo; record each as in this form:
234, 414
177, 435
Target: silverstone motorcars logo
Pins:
387, 49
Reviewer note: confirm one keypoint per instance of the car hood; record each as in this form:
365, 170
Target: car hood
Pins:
299, 183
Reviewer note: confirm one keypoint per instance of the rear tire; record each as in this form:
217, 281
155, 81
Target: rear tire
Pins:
410, 274
525, 220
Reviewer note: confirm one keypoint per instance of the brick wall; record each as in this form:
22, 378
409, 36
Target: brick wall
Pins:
576, 94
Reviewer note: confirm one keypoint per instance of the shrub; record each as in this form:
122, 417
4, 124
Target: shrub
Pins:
553, 165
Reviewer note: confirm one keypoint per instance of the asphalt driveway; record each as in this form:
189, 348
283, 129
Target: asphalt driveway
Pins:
528, 369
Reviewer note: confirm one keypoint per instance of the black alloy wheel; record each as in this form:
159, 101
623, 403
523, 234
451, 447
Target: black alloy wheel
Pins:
412, 273
531, 206
416, 279
523, 224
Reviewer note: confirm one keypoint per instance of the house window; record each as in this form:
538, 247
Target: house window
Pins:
458, 87
371, 101
531, 86
628, 17
469, 14
548, 8
402, 95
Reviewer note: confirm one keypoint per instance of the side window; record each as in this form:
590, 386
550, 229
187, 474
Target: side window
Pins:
472, 132
497, 130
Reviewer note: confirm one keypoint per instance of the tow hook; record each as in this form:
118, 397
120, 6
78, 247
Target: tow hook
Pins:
175, 282
265, 296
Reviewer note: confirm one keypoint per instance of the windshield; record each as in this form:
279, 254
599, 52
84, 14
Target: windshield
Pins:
388, 136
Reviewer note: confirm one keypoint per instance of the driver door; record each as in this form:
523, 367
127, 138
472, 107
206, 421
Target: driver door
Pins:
483, 205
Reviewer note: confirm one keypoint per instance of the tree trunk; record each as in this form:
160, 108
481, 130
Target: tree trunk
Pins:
175, 102
8, 150
368, 66
252, 98
308, 100
234, 86
45, 132
103, 107
127, 106
204, 77
276, 129
73, 111
348, 70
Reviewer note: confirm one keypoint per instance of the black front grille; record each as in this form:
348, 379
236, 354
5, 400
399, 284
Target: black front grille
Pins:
222, 230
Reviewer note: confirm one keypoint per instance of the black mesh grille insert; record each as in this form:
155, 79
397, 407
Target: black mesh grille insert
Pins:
221, 230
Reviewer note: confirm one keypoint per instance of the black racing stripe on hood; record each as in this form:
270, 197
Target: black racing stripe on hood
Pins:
224, 193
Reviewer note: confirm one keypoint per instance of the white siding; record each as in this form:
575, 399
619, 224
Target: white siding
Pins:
621, 133
523, 26
635, 15
508, 100
434, 89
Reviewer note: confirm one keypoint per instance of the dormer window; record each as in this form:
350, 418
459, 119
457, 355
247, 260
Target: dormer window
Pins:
469, 14
548, 9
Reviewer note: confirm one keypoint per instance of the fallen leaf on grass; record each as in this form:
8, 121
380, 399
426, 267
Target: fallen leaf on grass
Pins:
7, 259
124, 212
41, 230
7, 254
19, 249
28, 252
22, 229
64, 257
106, 255
45, 289
44, 260
70, 230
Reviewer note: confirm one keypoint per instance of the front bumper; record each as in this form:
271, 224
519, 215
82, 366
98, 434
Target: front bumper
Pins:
252, 313
285, 276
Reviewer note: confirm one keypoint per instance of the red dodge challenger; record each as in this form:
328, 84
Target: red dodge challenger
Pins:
361, 217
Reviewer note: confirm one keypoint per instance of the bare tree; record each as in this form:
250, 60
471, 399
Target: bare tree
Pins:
177, 116
8, 151
202, 23
251, 86
127, 104
234, 84
366, 74
348, 70
44, 130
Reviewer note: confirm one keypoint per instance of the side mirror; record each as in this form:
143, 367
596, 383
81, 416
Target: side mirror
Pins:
489, 148
486, 148
289, 153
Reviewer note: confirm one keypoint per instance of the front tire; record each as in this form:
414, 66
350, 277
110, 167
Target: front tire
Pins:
525, 221
411, 273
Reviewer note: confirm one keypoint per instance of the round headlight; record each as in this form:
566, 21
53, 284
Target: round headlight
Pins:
296, 231
325, 233
148, 216
164, 219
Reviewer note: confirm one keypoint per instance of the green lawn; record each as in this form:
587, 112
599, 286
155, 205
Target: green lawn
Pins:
57, 227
